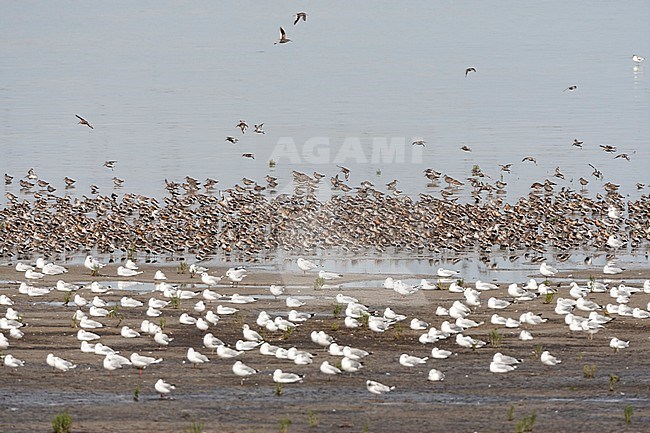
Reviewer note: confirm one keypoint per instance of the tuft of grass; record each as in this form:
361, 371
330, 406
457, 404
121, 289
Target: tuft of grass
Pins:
182, 267
335, 326
175, 301
627, 413
195, 427
548, 298
589, 371
336, 310
537, 351
271, 163
62, 422
278, 389
136, 393
526, 423
399, 331
319, 283
510, 413
284, 425
495, 338
95, 271
162, 322
67, 297
287, 333
313, 418
364, 318
378, 172
612, 381
131, 251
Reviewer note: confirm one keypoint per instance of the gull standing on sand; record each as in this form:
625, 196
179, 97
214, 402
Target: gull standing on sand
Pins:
378, 388
242, 370
195, 357
92, 264
546, 270
209, 279
163, 388
123, 271
281, 377
549, 359
306, 265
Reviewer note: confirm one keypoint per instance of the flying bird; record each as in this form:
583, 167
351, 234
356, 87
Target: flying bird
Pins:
83, 121
468, 70
248, 155
258, 129
232, 139
637, 58
577, 143
242, 125
283, 38
300, 15
570, 88
419, 143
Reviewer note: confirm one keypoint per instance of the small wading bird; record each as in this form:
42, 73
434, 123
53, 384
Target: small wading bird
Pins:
468, 70
283, 38
570, 88
83, 121
637, 58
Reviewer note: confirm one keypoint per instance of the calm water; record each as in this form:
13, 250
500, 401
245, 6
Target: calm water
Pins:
164, 84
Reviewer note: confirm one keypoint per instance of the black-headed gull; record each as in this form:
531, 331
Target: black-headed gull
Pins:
163, 388
378, 388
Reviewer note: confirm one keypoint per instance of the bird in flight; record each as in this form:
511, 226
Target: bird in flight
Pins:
283, 37
419, 143
83, 121
638, 58
577, 143
529, 158
468, 70
570, 88
110, 164
242, 125
608, 148
258, 129
465, 149
232, 139
248, 155
300, 15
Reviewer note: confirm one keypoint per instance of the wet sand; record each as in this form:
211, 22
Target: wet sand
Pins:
471, 398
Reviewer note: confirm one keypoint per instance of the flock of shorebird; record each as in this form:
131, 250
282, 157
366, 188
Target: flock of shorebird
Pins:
578, 311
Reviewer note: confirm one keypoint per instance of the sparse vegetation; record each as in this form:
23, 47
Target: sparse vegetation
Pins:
195, 427
319, 283
287, 332
136, 393
526, 424
378, 172
460, 282
95, 271
175, 301
335, 326
67, 297
271, 163
278, 389
182, 267
336, 310
627, 413
589, 371
62, 422
284, 425
511, 412
399, 331
537, 351
364, 318
313, 419
162, 322
548, 298
612, 381
495, 338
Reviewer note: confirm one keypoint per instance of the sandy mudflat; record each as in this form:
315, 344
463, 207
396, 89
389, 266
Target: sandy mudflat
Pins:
471, 398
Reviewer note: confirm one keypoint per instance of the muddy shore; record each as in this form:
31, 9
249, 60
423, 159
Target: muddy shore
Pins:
470, 398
